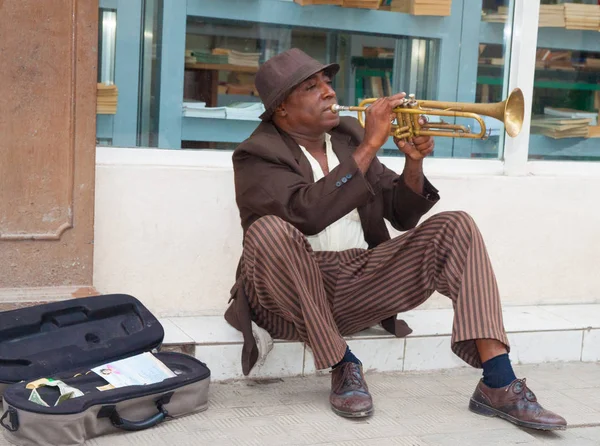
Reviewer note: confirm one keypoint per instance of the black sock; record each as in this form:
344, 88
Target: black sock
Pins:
497, 372
348, 357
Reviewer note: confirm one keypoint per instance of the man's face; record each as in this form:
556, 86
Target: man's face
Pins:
308, 107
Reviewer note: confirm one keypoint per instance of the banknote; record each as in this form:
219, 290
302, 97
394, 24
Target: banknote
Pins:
37, 399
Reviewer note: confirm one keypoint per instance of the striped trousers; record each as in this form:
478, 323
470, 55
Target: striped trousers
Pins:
318, 297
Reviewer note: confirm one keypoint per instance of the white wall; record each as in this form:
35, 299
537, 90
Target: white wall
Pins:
167, 229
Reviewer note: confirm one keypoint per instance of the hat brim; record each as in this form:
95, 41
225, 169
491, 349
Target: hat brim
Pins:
332, 70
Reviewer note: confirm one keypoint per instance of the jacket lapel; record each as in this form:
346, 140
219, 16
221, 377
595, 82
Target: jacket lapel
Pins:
293, 147
342, 145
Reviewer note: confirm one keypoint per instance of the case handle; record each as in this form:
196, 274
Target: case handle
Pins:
13, 419
111, 413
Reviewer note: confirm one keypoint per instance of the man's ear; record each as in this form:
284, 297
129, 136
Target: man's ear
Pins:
281, 111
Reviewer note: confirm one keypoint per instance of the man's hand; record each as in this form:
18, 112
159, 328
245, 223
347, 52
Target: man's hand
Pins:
378, 127
417, 148
378, 120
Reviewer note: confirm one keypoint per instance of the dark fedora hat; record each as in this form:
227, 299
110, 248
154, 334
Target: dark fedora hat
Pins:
279, 75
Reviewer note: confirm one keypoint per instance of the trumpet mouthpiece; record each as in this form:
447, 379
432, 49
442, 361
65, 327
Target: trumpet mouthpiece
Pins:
336, 108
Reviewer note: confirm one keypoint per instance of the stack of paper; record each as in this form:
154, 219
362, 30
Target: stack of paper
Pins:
552, 16
571, 113
559, 128
200, 110
246, 111
139, 370
365, 4
578, 16
106, 99
422, 7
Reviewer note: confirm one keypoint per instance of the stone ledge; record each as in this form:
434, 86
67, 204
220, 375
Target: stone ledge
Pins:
537, 334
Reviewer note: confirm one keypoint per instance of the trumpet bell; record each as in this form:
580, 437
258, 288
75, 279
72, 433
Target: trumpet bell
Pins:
514, 112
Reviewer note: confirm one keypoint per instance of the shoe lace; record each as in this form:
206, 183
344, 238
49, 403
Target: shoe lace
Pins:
352, 377
520, 386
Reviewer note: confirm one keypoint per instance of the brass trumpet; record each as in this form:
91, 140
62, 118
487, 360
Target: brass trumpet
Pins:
510, 112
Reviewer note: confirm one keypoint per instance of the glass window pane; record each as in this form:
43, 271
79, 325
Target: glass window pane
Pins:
566, 95
107, 91
443, 51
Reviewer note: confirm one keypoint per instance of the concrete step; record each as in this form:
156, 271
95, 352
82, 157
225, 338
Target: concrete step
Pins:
538, 334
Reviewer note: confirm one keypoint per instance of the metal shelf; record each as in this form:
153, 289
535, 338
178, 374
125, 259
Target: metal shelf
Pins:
571, 148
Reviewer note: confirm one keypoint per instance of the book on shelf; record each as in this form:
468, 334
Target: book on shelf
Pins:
594, 131
560, 127
364, 4
318, 2
580, 16
499, 16
554, 59
565, 15
552, 16
571, 113
243, 59
107, 97
222, 56
592, 62
205, 56
422, 7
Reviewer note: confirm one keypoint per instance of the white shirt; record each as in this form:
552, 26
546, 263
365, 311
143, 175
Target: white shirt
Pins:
347, 232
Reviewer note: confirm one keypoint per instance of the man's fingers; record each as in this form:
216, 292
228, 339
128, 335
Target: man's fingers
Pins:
418, 140
427, 152
381, 103
397, 99
399, 142
426, 146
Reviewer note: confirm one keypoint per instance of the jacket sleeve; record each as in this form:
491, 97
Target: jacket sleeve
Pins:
403, 207
269, 186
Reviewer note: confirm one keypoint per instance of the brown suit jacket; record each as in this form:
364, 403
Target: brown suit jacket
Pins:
273, 177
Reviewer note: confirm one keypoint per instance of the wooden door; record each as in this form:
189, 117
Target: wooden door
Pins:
48, 72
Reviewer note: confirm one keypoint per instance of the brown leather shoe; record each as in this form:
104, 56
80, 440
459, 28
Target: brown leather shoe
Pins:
515, 403
350, 395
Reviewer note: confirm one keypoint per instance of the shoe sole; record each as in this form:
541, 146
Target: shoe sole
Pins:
485, 410
361, 414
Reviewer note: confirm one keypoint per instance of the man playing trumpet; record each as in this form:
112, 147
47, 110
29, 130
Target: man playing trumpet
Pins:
318, 262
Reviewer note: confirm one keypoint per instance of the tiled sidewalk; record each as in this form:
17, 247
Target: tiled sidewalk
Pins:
416, 409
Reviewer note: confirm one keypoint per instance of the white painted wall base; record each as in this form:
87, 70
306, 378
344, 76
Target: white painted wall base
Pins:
538, 334
167, 229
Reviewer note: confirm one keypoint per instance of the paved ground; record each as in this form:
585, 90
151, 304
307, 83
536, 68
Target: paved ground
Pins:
412, 409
